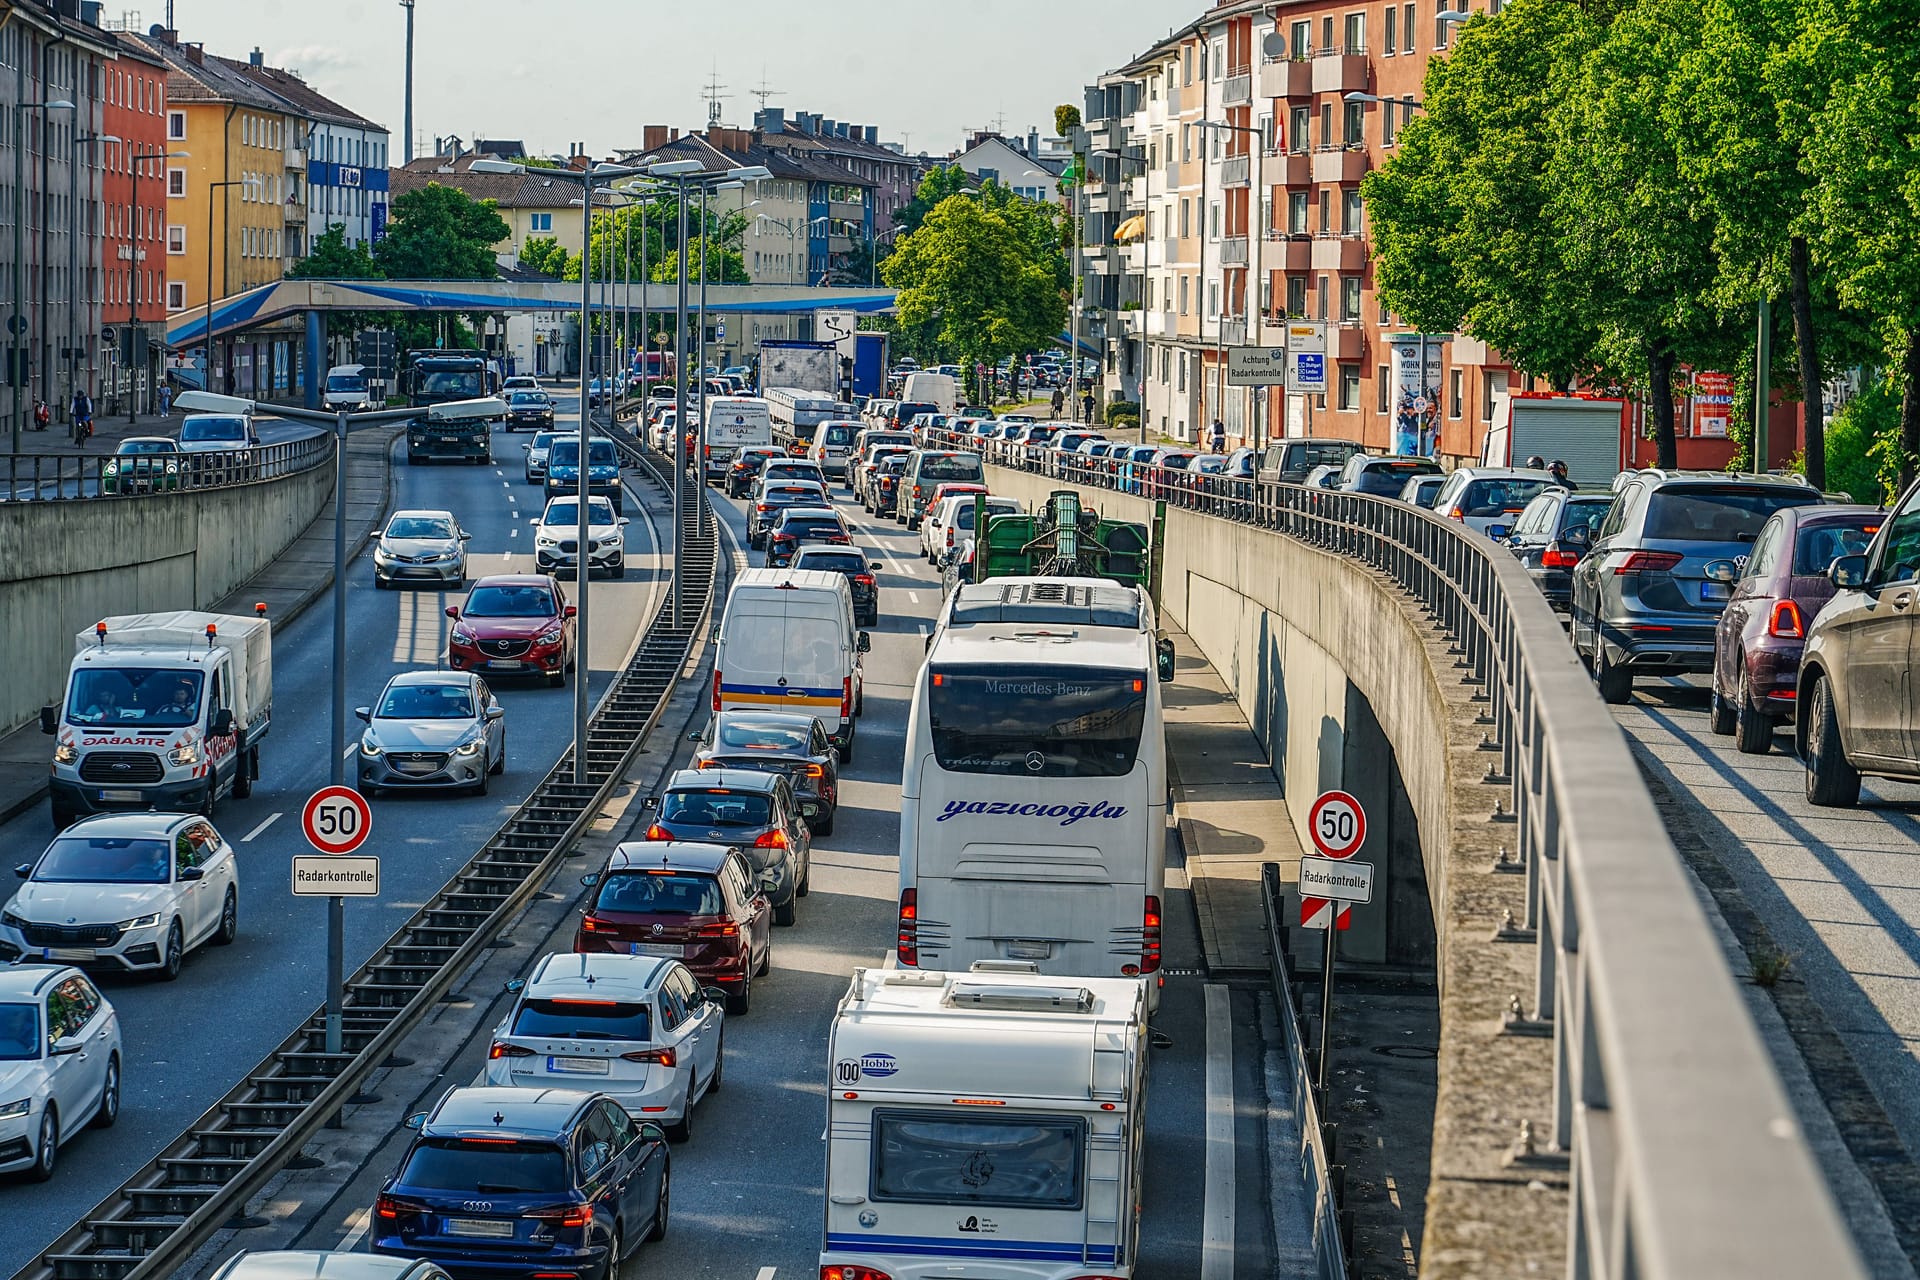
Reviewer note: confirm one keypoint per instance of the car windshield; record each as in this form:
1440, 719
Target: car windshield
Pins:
832, 561
103, 860
420, 527
150, 698
146, 446
788, 495
907, 410
836, 433
1389, 478
583, 1019
1588, 512
950, 466
1697, 513
661, 893
566, 511
1817, 548
752, 733
492, 1167
346, 382
1498, 497
19, 1032
963, 514
213, 429
893, 463
509, 602
812, 527
426, 702
1083, 723
719, 807
529, 399
566, 453
542, 441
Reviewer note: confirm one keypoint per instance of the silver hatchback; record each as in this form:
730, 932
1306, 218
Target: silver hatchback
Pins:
432, 730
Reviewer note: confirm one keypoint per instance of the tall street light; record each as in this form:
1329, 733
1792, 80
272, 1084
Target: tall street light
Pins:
17, 323
227, 225
73, 254
134, 299
459, 410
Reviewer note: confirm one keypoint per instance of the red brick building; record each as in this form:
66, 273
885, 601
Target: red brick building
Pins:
133, 286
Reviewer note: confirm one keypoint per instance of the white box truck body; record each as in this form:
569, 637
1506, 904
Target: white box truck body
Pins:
1585, 432
932, 388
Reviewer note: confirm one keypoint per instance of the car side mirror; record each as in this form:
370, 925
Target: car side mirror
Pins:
496, 713
589, 880
533, 520
453, 611
192, 873
222, 724
715, 996
363, 713
514, 986
1848, 572
49, 719
1721, 570
865, 643
66, 1046
1578, 535
466, 537
416, 1122
651, 802
769, 884
651, 1132
571, 611
1163, 659
24, 870
871, 564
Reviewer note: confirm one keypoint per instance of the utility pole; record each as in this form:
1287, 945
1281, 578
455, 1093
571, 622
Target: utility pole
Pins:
408, 6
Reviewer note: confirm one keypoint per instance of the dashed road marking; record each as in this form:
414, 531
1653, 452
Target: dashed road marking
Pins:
1216, 1215
766, 1273
351, 748
351, 1240
270, 820
914, 596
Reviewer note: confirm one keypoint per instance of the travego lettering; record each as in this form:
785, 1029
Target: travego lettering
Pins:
1068, 814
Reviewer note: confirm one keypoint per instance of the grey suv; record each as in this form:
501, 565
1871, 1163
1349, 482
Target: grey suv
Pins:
1643, 602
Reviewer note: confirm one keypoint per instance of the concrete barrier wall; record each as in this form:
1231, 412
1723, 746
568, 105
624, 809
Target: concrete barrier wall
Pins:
66, 565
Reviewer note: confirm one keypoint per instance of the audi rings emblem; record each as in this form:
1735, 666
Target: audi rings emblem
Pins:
1035, 762
477, 1206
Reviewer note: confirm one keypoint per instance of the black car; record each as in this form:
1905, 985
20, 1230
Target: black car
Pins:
789, 742
756, 813
530, 409
776, 496
744, 470
858, 570
883, 486
797, 526
500, 1181
1552, 535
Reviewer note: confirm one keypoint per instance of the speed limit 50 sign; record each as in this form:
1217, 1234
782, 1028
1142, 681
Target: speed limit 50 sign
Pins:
337, 820
1337, 824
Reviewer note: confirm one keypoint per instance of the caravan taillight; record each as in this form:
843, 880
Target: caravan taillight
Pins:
844, 1271
1150, 936
909, 944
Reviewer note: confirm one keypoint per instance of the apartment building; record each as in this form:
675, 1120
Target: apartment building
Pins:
341, 159
134, 222
1240, 141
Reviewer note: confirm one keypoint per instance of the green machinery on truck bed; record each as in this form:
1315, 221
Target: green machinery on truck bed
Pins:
1064, 539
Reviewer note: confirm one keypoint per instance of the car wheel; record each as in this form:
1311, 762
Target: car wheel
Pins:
46, 1154
62, 819
682, 1129
1832, 781
380, 583
557, 679
109, 1108
229, 919
500, 765
823, 828
480, 787
1720, 713
620, 569
176, 953
846, 751
740, 999
719, 1065
613, 1255
1752, 729
659, 1231
785, 913
766, 961
1616, 683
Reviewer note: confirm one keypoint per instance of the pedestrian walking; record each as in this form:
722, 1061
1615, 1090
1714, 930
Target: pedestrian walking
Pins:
1217, 436
166, 400
1059, 401
1086, 406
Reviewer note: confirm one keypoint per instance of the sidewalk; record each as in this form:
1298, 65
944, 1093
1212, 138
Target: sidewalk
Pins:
295, 579
109, 429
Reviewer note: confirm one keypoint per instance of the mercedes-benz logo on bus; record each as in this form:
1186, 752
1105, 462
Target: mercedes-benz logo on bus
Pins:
1035, 762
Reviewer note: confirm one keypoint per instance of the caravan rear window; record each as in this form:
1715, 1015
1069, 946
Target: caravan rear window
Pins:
1014, 1162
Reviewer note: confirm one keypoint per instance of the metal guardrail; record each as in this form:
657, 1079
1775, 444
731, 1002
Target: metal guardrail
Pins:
67, 477
1332, 1222
187, 1194
1685, 1158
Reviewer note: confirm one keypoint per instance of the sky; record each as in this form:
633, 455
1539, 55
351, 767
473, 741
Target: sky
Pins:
556, 72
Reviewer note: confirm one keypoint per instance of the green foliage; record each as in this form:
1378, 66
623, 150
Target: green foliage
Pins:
1122, 413
544, 254
942, 181
1066, 118
332, 258
441, 233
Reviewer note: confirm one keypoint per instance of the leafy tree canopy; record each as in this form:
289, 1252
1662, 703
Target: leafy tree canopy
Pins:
441, 233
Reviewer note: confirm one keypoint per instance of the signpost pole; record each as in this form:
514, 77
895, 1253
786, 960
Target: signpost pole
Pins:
336, 905
1326, 1000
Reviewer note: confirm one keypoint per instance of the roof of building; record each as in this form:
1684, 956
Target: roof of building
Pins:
985, 143
192, 77
303, 97
533, 189
736, 148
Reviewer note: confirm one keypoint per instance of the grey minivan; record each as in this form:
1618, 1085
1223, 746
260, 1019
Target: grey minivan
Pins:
1647, 595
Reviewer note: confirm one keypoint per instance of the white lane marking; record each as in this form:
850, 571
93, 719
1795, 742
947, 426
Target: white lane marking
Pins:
271, 819
1216, 1215
914, 596
513, 533
766, 1273
351, 1240
497, 471
353, 747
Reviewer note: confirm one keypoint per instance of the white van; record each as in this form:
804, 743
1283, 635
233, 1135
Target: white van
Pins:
734, 423
788, 641
832, 444
985, 1124
934, 388
347, 388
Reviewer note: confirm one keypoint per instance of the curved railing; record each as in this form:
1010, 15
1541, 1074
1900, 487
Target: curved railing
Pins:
66, 477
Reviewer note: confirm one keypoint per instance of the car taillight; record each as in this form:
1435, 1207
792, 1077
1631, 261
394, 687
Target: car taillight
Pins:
593, 924
719, 929
763, 507
1150, 936
662, 1057
845, 1271
1554, 558
1647, 562
563, 1215
392, 1207
864, 579
1786, 621
716, 688
774, 839
657, 832
846, 697
816, 771
908, 945
949, 537
1454, 513
500, 1050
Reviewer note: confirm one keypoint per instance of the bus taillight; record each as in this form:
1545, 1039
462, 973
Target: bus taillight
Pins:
1150, 936
909, 945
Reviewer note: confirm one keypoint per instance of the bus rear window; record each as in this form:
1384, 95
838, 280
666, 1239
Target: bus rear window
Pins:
950, 466
1037, 722
1016, 1162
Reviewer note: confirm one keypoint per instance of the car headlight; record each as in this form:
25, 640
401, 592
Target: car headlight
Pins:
461, 635
15, 1110
607, 540
550, 636
65, 753
370, 748
112, 468
185, 754
12, 921
471, 747
546, 540
141, 922
172, 467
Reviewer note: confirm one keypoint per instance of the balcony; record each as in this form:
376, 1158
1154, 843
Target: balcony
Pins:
1343, 165
1238, 91
1292, 254
1294, 169
1233, 251
1100, 259
1286, 79
1233, 333
1339, 69
1347, 340
1133, 258
297, 158
1235, 171
1339, 253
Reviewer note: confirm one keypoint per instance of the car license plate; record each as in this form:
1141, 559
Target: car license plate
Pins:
69, 954
673, 950
1496, 531
577, 1066
120, 797
1029, 951
489, 1228
1716, 590
505, 664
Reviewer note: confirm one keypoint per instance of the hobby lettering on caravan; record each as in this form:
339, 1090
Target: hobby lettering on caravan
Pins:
1067, 813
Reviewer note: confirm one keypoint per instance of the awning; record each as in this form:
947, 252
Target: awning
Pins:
1133, 228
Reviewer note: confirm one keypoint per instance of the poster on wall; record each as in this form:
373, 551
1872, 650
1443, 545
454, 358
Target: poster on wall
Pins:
1415, 398
1712, 399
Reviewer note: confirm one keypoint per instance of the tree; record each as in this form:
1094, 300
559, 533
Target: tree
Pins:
942, 181
1066, 118
544, 254
332, 258
441, 233
973, 270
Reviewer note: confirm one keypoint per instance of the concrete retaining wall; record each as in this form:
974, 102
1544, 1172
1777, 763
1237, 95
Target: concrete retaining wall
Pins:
66, 565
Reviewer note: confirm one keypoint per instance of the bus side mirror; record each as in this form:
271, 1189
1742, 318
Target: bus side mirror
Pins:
865, 643
1163, 659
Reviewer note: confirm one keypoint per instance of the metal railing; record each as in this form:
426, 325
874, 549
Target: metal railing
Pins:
1684, 1156
65, 477
148, 1227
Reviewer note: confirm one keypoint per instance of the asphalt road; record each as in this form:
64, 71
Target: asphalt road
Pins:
188, 1042
747, 1189
76, 474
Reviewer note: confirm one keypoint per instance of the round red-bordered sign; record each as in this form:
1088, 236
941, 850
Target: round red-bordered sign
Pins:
337, 820
1337, 824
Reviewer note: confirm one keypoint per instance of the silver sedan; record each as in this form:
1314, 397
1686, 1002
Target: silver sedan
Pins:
421, 546
432, 730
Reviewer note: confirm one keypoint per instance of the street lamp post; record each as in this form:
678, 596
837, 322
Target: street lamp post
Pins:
74, 297
16, 324
133, 285
207, 327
